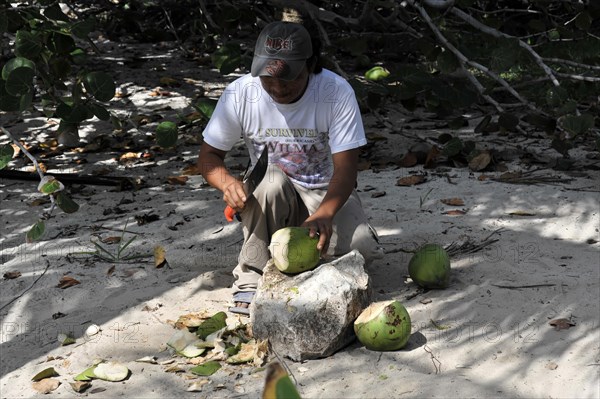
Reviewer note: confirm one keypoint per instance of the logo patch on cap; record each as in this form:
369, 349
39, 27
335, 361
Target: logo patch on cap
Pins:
274, 45
277, 68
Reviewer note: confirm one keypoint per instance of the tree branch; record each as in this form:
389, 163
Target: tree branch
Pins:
496, 33
463, 60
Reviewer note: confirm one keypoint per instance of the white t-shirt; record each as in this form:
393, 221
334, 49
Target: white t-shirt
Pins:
301, 136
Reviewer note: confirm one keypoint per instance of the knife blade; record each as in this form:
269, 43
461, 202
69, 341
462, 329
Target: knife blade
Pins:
251, 180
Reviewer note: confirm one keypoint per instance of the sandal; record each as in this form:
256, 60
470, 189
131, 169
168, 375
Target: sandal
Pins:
242, 297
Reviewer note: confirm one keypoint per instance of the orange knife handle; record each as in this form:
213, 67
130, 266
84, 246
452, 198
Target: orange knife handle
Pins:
229, 213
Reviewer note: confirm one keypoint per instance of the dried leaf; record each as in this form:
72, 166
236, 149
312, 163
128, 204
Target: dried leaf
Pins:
453, 201
191, 320
40, 201
483, 177
455, 212
432, 156
408, 160
261, 351
160, 257
177, 180
146, 218
378, 194
411, 180
521, 213
176, 368
110, 271
46, 385
196, 386
129, 156
148, 359
111, 240
551, 366
190, 170
11, 275
66, 282
480, 162
80, 386
561, 324
425, 301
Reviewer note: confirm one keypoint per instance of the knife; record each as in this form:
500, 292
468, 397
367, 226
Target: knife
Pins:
251, 179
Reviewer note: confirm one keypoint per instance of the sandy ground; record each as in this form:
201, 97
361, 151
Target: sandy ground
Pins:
487, 335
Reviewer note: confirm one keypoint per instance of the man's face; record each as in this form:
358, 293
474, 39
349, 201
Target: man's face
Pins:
285, 91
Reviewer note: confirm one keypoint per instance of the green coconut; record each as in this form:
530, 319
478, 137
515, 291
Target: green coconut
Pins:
429, 267
293, 250
383, 326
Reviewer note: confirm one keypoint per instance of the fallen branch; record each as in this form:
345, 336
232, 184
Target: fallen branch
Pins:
36, 165
72, 178
516, 287
30, 287
468, 247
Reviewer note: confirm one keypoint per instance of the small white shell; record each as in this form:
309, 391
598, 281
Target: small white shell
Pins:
93, 329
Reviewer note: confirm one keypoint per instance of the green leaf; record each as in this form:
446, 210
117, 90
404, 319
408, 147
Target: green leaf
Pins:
78, 56
206, 106
65, 203
206, 369
100, 112
504, 56
166, 134
447, 62
82, 29
15, 63
561, 146
27, 44
483, 124
73, 114
100, 85
453, 147
63, 44
285, 388
86, 375
3, 22
8, 103
227, 58
46, 373
55, 12
49, 185
36, 231
508, 121
583, 21
25, 101
556, 96
6, 153
20, 81
377, 73
578, 124
209, 326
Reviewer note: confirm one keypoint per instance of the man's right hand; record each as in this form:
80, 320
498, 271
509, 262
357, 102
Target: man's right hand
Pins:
235, 196
212, 167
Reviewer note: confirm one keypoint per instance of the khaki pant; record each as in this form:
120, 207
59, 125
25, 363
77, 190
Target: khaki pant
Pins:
276, 203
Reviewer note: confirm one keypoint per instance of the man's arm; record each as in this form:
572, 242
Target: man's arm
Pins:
340, 187
212, 167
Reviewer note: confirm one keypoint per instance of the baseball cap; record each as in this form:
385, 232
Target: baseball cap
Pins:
281, 50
